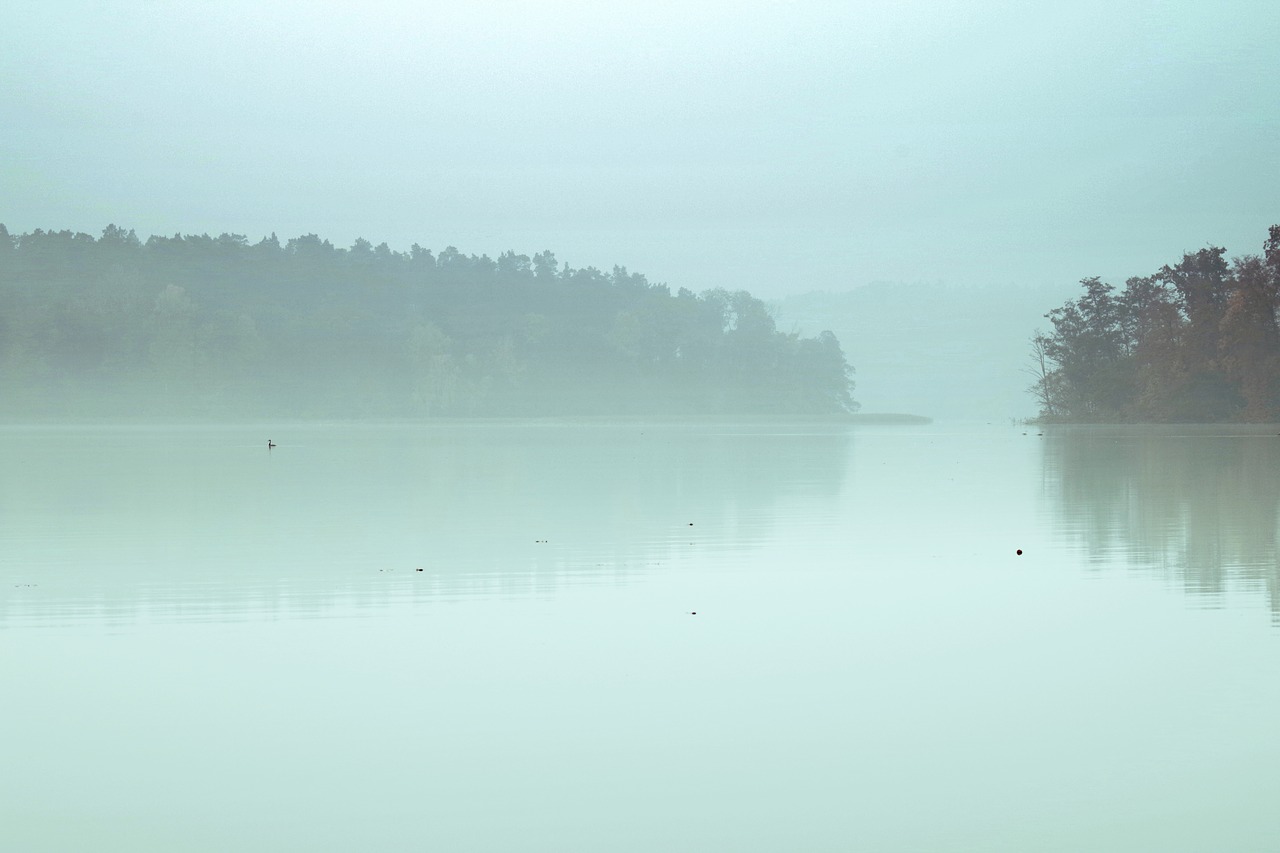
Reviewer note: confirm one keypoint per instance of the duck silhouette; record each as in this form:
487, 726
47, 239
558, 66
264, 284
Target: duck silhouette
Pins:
270, 444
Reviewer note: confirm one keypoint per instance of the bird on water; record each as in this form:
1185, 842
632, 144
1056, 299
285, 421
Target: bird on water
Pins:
270, 444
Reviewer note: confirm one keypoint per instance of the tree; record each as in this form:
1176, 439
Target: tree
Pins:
1196, 341
1047, 378
434, 371
173, 343
1249, 345
510, 263
1091, 349
545, 265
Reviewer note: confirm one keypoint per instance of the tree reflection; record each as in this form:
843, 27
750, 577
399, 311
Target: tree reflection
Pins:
201, 523
1197, 504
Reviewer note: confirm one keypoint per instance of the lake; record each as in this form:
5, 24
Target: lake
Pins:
507, 636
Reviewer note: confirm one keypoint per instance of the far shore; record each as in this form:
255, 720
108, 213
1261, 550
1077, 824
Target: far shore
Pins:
169, 419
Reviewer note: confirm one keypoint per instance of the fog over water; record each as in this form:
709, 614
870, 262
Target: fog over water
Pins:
957, 353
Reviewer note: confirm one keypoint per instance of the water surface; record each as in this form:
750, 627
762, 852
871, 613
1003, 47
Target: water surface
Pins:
206, 645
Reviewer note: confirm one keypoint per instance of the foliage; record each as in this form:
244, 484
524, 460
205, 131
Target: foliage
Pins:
218, 326
1196, 341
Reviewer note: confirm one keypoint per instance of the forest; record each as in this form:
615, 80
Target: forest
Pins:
1196, 341
210, 327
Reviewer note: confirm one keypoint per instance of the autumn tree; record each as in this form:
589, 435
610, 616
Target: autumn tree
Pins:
1195, 341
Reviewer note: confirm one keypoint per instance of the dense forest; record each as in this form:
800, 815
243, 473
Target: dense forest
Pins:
1194, 342
204, 326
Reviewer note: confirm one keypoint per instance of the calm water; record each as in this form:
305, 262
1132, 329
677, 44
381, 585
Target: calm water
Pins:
208, 646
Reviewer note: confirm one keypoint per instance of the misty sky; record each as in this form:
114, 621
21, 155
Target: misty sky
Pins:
772, 146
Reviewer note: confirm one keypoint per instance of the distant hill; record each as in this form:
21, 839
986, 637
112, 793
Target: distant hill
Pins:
204, 327
943, 351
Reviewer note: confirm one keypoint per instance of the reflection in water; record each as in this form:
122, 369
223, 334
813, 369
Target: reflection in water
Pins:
869, 648
1198, 504
122, 523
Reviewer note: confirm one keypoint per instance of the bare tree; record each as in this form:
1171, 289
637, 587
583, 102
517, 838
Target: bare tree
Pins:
1045, 373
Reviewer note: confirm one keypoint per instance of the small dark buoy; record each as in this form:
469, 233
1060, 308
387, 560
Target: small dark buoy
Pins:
1019, 552
420, 567
693, 613
691, 524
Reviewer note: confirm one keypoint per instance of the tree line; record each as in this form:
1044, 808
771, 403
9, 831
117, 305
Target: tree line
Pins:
1196, 341
193, 325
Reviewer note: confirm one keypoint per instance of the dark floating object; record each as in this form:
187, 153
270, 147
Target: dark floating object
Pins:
693, 613
420, 567
1019, 554
270, 444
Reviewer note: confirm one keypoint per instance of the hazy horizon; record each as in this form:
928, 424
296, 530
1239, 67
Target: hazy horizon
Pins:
781, 149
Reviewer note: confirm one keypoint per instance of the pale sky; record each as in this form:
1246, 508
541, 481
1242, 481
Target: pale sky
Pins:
778, 147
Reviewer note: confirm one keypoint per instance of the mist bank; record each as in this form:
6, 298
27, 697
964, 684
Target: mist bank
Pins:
218, 327
950, 351
1196, 341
